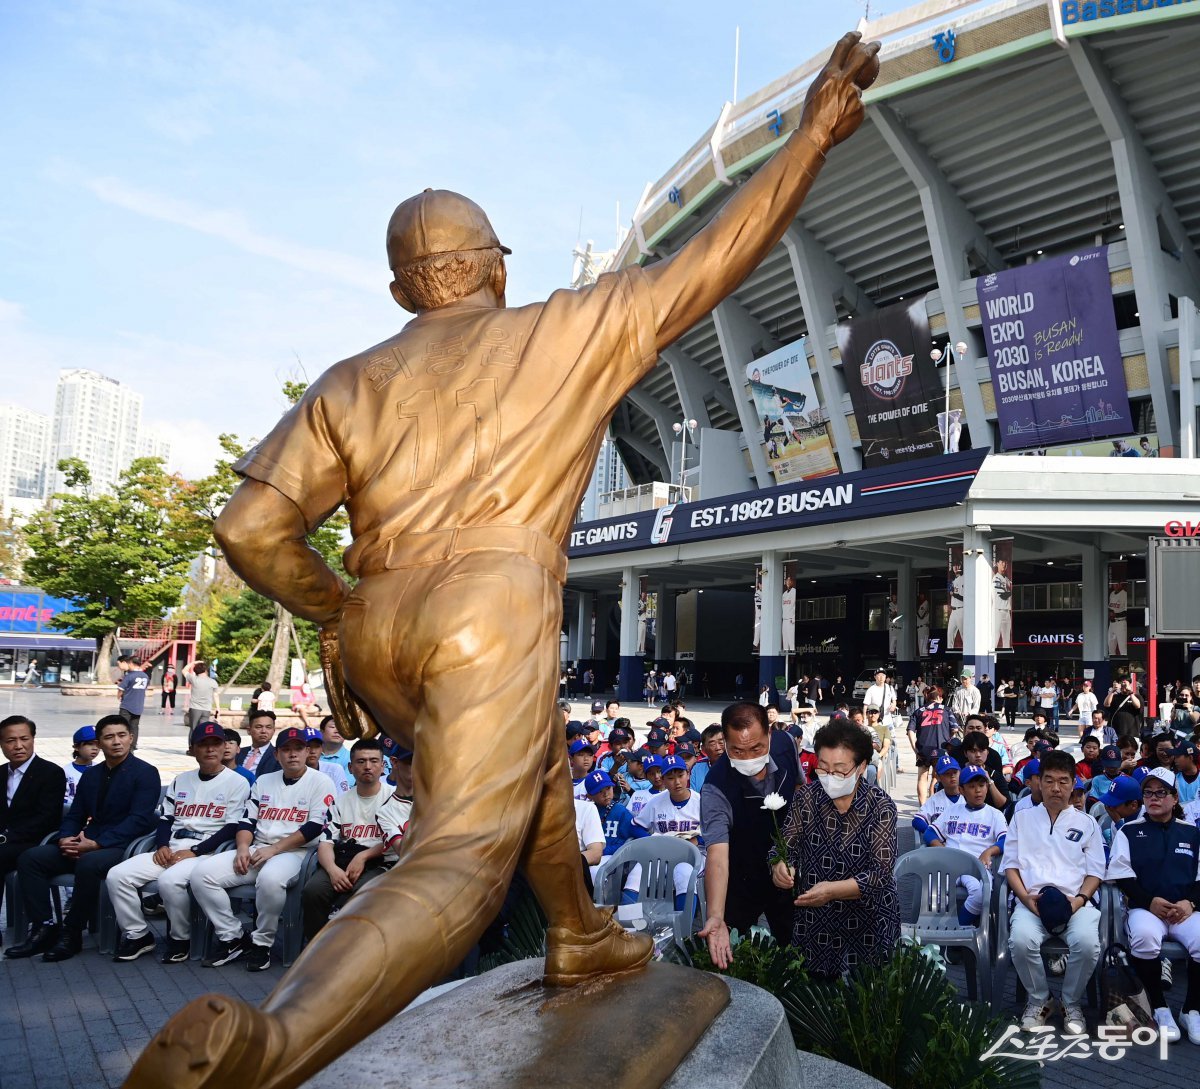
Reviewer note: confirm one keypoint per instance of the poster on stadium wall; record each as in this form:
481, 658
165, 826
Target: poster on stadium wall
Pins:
1118, 609
1052, 344
758, 581
1002, 595
893, 383
955, 587
790, 570
893, 621
1127, 446
924, 616
647, 610
794, 426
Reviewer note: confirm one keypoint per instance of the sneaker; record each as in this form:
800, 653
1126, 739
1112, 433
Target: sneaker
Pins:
152, 906
132, 948
1073, 1021
177, 951
223, 953
1166, 1025
1057, 966
1191, 1025
1166, 973
1036, 1014
258, 958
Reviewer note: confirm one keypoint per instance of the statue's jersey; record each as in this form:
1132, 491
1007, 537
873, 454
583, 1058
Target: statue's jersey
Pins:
470, 416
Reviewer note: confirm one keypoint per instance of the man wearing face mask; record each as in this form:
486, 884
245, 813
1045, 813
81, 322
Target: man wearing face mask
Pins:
737, 829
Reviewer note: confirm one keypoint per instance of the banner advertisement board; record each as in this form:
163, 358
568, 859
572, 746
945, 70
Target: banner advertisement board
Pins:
955, 587
924, 616
1127, 446
1118, 609
758, 581
788, 646
647, 612
795, 428
1055, 357
893, 384
893, 622
1002, 594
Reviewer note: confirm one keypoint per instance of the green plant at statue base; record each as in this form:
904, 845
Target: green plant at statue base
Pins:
902, 1023
757, 959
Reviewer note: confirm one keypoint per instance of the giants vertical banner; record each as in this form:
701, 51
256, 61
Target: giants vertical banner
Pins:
955, 586
1118, 609
789, 608
1002, 594
795, 428
893, 384
924, 616
758, 581
893, 622
1051, 336
647, 609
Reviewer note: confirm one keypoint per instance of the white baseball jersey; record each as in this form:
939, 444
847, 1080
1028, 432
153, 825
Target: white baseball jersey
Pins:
277, 808
587, 825
73, 772
579, 789
939, 806
355, 819
1118, 603
337, 775
393, 817
664, 817
1191, 812
638, 801
1024, 803
957, 585
789, 604
202, 808
973, 830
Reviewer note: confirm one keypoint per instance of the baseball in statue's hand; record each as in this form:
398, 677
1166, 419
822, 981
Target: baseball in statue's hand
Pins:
833, 107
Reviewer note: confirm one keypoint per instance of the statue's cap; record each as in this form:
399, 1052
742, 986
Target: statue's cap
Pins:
438, 221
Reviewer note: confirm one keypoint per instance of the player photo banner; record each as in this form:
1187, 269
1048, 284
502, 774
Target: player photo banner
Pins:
1053, 349
795, 428
790, 570
1118, 609
955, 586
758, 581
646, 613
893, 383
924, 616
1002, 595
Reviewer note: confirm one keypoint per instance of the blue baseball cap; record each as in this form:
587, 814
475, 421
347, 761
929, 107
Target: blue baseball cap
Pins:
638, 756
1124, 789
657, 737
596, 782
947, 763
208, 730
578, 745
970, 773
671, 763
1034, 767
292, 733
311, 734
1110, 757
1080, 783
84, 733
685, 748
1184, 748
654, 762
1140, 773
575, 728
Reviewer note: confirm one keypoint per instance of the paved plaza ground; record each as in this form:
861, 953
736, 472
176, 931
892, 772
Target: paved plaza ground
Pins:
82, 1023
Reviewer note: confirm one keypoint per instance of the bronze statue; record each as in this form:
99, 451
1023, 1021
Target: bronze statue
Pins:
461, 447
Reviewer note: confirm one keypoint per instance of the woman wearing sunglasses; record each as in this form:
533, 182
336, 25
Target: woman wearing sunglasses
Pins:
1156, 862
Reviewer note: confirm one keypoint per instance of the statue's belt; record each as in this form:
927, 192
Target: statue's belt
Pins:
437, 546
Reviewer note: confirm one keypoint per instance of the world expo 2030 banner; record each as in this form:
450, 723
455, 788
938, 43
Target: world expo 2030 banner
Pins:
893, 383
1051, 336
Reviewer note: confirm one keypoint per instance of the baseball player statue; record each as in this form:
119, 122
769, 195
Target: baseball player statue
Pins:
459, 450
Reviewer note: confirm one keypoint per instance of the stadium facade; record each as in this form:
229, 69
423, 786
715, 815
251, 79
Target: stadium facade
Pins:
1023, 201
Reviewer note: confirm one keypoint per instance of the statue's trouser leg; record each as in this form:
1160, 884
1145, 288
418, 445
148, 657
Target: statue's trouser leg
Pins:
478, 640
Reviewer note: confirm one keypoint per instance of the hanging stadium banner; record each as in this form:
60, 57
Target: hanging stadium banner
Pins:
758, 581
1002, 594
1118, 609
893, 383
955, 587
795, 428
788, 645
924, 616
1051, 336
647, 613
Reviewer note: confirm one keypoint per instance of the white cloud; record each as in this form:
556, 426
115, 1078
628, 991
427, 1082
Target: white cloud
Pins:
11, 311
232, 227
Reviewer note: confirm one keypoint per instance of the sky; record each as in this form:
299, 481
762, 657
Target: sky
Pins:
193, 196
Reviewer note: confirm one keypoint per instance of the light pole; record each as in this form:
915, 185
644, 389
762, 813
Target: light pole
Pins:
684, 429
960, 349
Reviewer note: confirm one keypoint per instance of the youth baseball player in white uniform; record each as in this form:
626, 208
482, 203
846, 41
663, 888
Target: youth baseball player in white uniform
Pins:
199, 813
287, 809
672, 812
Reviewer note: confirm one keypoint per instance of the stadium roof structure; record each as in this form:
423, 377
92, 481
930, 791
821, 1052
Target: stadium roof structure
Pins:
1053, 125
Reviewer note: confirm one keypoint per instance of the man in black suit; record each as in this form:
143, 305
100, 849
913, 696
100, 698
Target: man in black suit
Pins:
259, 755
114, 804
31, 791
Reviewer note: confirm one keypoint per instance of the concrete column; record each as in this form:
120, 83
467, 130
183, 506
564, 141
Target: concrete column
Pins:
664, 628
770, 657
738, 333
979, 640
571, 616
630, 688
1189, 348
1095, 619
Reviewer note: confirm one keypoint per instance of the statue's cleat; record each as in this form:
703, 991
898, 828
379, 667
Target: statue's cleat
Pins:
213, 1042
574, 958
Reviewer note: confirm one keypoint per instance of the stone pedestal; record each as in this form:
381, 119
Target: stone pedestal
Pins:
646, 1030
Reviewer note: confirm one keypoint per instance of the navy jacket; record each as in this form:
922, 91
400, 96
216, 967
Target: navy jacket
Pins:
129, 807
267, 763
1164, 860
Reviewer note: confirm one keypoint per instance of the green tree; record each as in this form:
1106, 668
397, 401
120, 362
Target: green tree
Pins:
13, 548
115, 557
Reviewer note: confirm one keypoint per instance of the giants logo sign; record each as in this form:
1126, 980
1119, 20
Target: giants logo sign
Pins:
1182, 529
